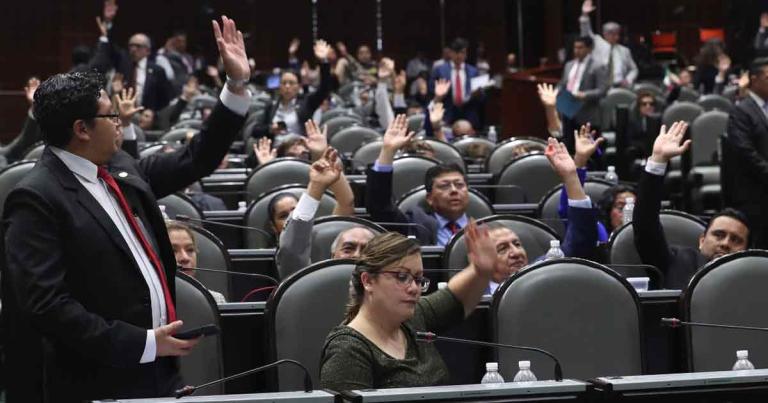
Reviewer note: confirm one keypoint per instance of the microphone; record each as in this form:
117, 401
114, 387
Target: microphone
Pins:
429, 337
237, 273
186, 218
189, 389
675, 322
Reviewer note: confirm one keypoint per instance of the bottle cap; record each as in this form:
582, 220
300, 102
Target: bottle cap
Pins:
611, 168
524, 364
742, 354
242, 204
442, 285
554, 243
491, 366
162, 207
629, 200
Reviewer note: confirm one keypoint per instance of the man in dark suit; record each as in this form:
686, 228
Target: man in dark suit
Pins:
153, 88
460, 102
88, 274
745, 154
727, 231
586, 80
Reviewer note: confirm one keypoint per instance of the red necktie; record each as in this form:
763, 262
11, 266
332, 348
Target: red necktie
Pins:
453, 227
457, 88
110, 181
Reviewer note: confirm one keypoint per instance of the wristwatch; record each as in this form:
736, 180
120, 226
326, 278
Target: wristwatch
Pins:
236, 84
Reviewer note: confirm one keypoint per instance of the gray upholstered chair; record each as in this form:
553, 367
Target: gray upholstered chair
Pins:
179, 134
648, 87
679, 229
715, 102
681, 110
534, 235
302, 311
257, 216
706, 129
340, 123
508, 149
366, 155
550, 203
326, 229
150, 149
179, 203
278, 172
212, 254
408, 173
580, 311
34, 152
188, 124
334, 113
688, 95
614, 98
204, 101
346, 141
478, 207
530, 172
446, 153
416, 122
196, 307
475, 147
10, 176
729, 291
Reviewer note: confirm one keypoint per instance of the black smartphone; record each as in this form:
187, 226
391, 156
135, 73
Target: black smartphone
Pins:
282, 126
205, 330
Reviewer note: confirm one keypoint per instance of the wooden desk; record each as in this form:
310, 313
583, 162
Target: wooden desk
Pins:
522, 112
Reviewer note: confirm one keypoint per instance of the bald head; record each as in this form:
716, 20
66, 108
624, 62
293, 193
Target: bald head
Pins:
139, 47
462, 128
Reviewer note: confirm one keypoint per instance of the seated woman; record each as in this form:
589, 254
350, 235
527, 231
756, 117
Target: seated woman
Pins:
375, 346
185, 251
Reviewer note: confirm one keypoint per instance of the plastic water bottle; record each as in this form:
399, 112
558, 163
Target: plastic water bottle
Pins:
492, 374
611, 175
492, 136
742, 361
554, 251
629, 208
242, 206
524, 374
162, 211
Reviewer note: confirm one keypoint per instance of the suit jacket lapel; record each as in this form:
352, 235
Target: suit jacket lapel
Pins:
758, 111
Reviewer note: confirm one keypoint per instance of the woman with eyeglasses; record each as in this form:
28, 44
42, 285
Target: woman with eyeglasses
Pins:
375, 346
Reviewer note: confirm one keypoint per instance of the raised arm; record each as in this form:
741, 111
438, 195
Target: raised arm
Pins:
548, 98
317, 142
469, 284
378, 196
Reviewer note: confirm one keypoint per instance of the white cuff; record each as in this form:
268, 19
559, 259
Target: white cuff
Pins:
305, 208
583, 203
235, 103
150, 348
103, 39
129, 133
655, 168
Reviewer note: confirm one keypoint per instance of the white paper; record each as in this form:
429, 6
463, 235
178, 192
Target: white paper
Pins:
479, 82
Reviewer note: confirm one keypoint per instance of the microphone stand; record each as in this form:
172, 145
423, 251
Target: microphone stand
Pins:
189, 389
674, 322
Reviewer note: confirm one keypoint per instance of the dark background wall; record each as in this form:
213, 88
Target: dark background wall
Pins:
37, 36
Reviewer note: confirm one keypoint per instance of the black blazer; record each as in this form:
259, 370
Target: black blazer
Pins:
75, 305
307, 105
678, 263
745, 164
158, 91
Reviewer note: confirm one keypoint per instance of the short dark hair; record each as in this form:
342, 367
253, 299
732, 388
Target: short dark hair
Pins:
276, 199
586, 40
440, 169
64, 98
756, 67
737, 215
286, 145
605, 204
459, 44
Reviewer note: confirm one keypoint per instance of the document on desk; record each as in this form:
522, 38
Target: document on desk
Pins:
480, 82
567, 104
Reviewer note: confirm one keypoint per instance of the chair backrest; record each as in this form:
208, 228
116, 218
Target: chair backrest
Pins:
365, 155
178, 134
614, 98
196, 306
257, 215
530, 172
278, 172
534, 235
204, 101
550, 203
334, 113
34, 152
478, 207
150, 149
188, 123
415, 122
545, 306
212, 254
179, 203
679, 229
302, 311
408, 173
339, 123
729, 291
446, 152
715, 102
688, 95
326, 229
681, 110
648, 87
508, 150
706, 129
346, 141
10, 176
475, 147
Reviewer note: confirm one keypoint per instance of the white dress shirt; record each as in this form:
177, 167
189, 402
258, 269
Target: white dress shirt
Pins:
576, 73
141, 77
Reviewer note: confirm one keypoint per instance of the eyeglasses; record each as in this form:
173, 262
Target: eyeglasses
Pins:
405, 279
112, 116
444, 186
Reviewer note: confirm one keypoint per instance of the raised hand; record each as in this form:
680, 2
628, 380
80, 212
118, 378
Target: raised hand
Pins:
441, 88
436, 114
481, 250
548, 94
321, 50
667, 144
125, 102
342, 48
326, 170
232, 51
386, 68
102, 24
586, 145
744, 80
559, 159
263, 150
29, 90
294, 46
317, 140
400, 80
395, 138
587, 7
764, 20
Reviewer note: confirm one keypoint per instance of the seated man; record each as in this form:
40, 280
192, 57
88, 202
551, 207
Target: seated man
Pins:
447, 193
185, 251
581, 235
727, 231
